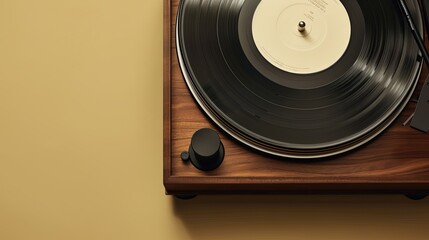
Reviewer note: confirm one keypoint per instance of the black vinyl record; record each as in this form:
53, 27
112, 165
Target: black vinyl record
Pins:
298, 115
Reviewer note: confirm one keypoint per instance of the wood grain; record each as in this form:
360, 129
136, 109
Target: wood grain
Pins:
395, 162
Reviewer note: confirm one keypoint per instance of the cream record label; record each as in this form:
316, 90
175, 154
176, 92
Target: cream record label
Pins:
316, 45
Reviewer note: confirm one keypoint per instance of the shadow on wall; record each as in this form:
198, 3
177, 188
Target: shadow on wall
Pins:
303, 217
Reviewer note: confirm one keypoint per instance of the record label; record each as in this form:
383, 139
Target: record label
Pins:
316, 45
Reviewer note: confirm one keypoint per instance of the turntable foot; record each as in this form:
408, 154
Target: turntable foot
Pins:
416, 196
185, 196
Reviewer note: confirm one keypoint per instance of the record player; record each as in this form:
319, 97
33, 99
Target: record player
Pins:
297, 96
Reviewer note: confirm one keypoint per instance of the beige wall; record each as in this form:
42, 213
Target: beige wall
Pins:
81, 139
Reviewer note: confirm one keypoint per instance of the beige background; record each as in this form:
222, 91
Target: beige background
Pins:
81, 141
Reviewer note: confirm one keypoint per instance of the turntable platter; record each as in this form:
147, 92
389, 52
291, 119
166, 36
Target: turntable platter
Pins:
294, 92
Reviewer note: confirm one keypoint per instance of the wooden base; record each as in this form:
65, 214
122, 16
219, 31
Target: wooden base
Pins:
395, 162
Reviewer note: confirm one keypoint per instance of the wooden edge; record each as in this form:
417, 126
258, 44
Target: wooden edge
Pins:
167, 91
201, 185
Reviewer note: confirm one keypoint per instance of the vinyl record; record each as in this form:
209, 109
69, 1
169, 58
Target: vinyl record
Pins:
289, 91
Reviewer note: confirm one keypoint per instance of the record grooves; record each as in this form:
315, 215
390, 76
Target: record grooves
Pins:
293, 115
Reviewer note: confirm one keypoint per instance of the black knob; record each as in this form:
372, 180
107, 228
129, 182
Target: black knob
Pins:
206, 150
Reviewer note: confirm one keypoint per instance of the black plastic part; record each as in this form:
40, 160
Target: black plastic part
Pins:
416, 34
425, 7
416, 196
421, 117
420, 120
184, 156
206, 151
